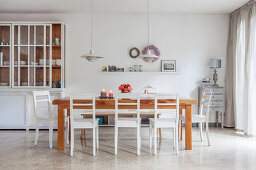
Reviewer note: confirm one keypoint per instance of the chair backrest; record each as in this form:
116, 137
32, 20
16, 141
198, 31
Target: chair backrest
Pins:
42, 101
81, 104
164, 101
127, 103
205, 101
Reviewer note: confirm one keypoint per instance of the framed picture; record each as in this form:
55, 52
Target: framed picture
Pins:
168, 65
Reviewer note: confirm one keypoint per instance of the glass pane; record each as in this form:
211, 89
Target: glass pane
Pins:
16, 55
40, 55
40, 35
23, 55
48, 76
56, 34
32, 76
56, 76
32, 56
4, 76
47, 35
48, 56
5, 55
32, 35
4, 35
16, 35
15, 76
39, 76
24, 35
23, 76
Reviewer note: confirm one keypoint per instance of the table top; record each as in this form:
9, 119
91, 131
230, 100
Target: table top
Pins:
147, 101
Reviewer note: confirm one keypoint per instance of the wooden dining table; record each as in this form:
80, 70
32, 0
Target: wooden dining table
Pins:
109, 104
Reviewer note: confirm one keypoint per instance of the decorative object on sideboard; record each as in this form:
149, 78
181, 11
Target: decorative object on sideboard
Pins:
56, 41
215, 63
104, 68
115, 69
131, 69
135, 68
146, 55
134, 52
140, 68
168, 65
92, 57
125, 88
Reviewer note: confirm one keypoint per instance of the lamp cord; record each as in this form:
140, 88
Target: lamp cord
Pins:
91, 26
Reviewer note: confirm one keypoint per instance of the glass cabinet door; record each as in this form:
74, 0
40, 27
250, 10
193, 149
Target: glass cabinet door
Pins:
5, 55
32, 55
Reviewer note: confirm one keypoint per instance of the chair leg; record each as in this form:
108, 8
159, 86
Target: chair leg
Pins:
116, 139
176, 140
138, 140
155, 140
72, 141
94, 141
82, 133
37, 132
207, 133
50, 133
150, 135
201, 131
97, 136
67, 132
222, 119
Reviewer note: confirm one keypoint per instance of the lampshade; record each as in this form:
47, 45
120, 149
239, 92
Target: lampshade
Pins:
91, 56
215, 63
148, 57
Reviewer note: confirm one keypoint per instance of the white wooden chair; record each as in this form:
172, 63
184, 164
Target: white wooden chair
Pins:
201, 118
43, 113
131, 101
80, 104
171, 121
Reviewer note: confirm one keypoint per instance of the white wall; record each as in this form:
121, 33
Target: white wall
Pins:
190, 39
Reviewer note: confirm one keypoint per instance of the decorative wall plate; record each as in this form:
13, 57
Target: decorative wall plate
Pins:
134, 52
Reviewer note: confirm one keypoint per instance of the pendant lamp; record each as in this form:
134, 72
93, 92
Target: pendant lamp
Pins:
92, 57
148, 57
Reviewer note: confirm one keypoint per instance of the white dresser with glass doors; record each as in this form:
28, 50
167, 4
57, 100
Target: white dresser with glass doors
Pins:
31, 57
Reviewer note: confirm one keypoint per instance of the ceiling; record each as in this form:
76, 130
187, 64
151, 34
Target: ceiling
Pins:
121, 6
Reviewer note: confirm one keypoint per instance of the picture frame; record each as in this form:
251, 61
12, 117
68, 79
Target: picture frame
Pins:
168, 65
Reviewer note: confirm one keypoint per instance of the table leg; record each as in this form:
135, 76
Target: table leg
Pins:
69, 130
188, 128
61, 129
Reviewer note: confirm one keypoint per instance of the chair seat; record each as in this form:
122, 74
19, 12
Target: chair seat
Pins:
195, 118
163, 122
128, 122
85, 123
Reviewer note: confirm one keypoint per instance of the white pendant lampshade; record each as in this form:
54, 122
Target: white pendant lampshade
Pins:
92, 57
148, 57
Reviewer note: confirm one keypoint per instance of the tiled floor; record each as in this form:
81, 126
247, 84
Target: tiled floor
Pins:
228, 151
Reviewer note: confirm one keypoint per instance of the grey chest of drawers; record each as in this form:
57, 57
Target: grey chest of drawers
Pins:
217, 102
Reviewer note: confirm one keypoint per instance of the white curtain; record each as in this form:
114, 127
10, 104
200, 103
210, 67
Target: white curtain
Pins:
241, 70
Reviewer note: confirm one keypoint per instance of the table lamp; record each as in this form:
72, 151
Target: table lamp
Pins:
215, 63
